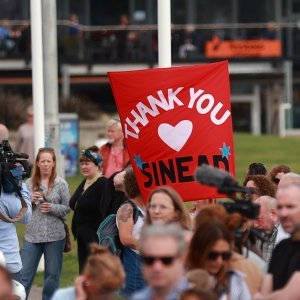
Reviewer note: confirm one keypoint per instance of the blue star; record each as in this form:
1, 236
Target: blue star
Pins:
138, 160
225, 150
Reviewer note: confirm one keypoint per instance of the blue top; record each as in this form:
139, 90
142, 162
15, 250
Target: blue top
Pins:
238, 287
147, 292
65, 294
4, 33
10, 205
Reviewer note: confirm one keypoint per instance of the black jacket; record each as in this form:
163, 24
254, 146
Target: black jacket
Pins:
89, 207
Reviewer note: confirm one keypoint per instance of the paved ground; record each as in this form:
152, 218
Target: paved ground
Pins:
35, 293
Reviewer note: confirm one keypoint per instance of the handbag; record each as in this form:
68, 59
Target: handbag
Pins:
68, 244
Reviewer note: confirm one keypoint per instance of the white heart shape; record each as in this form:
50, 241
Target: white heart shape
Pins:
175, 137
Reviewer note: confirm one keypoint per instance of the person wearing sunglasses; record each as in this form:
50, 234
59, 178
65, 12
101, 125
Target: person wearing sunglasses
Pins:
45, 233
102, 276
162, 249
277, 172
87, 203
242, 259
211, 250
262, 184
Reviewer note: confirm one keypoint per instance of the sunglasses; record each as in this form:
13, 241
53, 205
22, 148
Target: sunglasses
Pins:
275, 180
150, 260
213, 255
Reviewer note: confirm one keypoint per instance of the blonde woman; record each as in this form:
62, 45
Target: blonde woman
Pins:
102, 276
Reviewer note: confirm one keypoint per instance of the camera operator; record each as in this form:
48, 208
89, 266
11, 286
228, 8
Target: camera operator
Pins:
269, 226
3, 132
10, 206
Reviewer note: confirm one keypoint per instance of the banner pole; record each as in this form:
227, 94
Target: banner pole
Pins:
37, 74
164, 33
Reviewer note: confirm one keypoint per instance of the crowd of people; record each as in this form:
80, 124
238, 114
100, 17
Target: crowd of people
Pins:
168, 252
125, 44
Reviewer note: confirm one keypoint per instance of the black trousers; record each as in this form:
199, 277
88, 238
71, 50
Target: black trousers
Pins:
85, 236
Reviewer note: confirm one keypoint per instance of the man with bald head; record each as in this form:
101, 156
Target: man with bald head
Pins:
25, 136
289, 178
268, 223
286, 255
3, 133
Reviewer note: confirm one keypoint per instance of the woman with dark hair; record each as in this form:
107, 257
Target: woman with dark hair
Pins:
165, 205
102, 276
236, 223
211, 249
277, 172
257, 169
130, 220
262, 185
87, 203
45, 233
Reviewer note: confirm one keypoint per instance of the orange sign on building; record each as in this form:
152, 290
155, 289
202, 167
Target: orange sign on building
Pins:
217, 48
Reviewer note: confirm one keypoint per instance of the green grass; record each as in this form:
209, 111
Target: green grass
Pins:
270, 150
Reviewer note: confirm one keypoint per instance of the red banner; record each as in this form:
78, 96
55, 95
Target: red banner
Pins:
175, 119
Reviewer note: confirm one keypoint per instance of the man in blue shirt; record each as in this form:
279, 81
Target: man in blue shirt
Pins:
9, 244
162, 252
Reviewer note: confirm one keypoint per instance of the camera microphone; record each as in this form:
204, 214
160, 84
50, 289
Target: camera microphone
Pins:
226, 184
211, 176
220, 179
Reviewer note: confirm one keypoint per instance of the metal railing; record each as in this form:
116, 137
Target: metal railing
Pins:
138, 43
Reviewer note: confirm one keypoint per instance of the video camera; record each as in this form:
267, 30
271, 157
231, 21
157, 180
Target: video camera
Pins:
14, 167
226, 184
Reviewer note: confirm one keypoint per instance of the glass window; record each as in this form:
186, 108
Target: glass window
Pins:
178, 11
241, 117
214, 11
107, 12
256, 11
10, 9
296, 6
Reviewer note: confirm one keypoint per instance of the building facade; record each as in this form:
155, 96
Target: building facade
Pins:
259, 38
